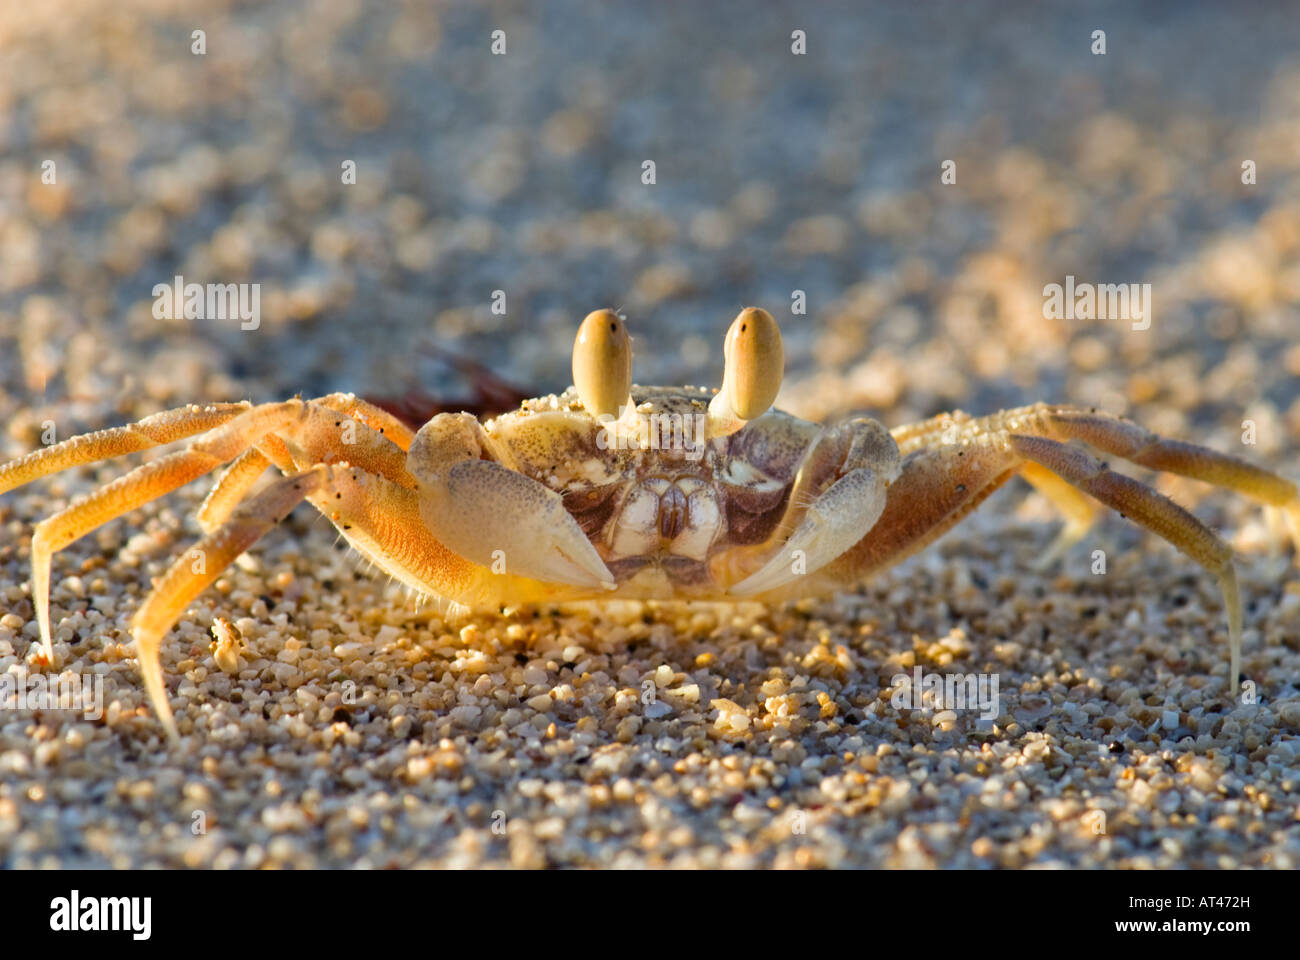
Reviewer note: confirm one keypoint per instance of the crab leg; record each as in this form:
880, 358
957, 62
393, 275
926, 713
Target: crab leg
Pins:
141, 485
1126, 439
953, 463
923, 433
935, 490
1078, 510
940, 486
312, 433
232, 486
376, 418
1152, 510
161, 428
1113, 435
378, 517
187, 578
239, 478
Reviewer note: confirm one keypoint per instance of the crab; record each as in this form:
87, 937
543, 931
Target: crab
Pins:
613, 490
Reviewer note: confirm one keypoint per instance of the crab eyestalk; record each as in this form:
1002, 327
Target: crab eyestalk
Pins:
754, 362
602, 364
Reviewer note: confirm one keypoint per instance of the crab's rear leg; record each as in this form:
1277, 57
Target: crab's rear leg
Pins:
1152, 510
161, 428
377, 516
293, 435
375, 417
1126, 439
202, 564
243, 473
1111, 434
141, 485
940, 485
232, 487
1078, 510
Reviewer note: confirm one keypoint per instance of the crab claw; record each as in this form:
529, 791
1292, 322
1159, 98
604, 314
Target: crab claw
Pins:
495, 517
835, 521
491, 515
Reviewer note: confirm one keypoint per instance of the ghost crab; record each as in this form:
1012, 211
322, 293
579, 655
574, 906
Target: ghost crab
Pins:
599, 492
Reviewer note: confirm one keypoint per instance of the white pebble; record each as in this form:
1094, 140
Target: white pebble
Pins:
534, 675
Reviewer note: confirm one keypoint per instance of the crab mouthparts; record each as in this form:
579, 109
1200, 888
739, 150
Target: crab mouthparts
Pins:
672, 512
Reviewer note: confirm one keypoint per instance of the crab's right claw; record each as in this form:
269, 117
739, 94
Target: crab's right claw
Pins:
510, 523
835, 521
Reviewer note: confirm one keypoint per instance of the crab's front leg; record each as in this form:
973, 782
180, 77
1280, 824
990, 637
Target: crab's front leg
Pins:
837, 497
484, 511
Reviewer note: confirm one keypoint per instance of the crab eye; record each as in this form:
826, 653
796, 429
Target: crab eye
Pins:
602, 363
754, 363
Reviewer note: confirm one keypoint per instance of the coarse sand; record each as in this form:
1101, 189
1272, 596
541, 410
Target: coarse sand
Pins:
338, 724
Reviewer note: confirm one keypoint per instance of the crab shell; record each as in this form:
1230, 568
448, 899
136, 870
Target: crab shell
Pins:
671, 513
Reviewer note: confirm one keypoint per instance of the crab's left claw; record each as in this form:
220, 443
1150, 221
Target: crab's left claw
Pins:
866, 460
835, 521
493, 516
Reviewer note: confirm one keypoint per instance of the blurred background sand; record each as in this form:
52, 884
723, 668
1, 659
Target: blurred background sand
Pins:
774, 173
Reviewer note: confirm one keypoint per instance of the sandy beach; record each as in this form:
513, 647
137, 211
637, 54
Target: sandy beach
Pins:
495, 199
